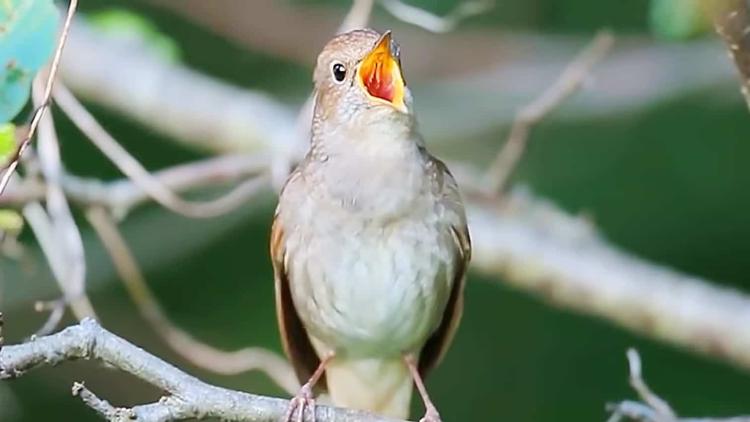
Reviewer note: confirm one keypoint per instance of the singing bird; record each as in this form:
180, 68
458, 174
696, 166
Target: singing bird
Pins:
369, 241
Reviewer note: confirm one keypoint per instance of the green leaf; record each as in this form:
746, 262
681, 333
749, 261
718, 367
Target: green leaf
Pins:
124, 23
28, 31
683, 19
7, 140
10, 220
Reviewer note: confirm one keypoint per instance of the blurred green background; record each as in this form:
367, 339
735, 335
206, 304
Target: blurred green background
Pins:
668, 183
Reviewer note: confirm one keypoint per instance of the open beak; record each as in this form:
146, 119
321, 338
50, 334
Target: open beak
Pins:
380, 74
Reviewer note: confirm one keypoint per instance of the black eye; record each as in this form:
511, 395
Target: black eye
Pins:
339, 72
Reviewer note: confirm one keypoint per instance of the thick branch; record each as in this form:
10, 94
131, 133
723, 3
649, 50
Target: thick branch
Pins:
189, 397
537, 247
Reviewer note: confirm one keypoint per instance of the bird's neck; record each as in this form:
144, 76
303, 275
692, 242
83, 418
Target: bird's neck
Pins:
375, 168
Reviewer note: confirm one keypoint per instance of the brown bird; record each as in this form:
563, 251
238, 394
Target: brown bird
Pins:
369, 242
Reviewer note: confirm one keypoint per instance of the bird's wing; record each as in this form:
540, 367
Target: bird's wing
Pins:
294, 337
437, 345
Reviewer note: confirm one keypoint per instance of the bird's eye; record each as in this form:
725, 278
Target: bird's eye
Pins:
339, 72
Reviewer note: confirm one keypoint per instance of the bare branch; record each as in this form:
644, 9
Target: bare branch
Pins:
652, 408
44, 231
198, 353
433, 23
733, 24
357, 17
56, 309
568, 83
10, 168
660, 406
123, 195
188, 397
535, 246
142, 177
101, 407
65, 235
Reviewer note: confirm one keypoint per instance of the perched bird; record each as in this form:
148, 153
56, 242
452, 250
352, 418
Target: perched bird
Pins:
369, 241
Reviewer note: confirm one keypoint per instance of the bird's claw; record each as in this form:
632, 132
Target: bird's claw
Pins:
431, 415
302, 401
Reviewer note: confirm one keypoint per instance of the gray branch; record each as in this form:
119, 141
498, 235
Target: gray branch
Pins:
188, 397
651, 408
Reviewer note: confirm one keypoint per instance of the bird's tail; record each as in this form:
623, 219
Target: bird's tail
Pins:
380, 386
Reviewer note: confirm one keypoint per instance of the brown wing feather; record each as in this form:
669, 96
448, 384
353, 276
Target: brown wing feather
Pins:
437, 345
294, 337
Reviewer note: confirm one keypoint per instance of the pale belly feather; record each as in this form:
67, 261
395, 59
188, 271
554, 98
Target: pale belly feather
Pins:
370, 289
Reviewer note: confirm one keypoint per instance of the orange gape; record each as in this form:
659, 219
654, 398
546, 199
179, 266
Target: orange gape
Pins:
378, 77
380, 74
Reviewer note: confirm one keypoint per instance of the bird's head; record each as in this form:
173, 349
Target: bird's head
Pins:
358, 76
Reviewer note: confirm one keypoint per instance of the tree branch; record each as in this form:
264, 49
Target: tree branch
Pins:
122, 196
651, 408
532, 244
187, 346
188, 397
64, 246
433, 23
567, 84
142, 177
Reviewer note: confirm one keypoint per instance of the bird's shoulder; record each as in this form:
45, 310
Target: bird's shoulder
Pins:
447, 192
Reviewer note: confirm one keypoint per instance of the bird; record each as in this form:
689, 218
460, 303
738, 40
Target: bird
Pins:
369, 241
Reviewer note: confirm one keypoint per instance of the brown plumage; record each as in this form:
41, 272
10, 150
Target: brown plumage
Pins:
369, 242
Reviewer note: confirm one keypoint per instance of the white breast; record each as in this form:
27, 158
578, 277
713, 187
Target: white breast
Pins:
367, 286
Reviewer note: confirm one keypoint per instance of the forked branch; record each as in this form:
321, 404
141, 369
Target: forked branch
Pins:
651, 407
187, 397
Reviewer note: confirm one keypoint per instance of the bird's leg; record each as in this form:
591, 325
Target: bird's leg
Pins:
304, 398
431, 414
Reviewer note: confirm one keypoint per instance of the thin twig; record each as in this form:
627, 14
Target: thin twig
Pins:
651, 408
195, 351
121, 196
56, 309
569, 82
43, 228
187, 397
434, 23
64, 230
101, 407
644, 392
10, 168
142, 177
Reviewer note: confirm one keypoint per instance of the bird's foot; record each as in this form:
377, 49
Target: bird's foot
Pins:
431, 415
304, 400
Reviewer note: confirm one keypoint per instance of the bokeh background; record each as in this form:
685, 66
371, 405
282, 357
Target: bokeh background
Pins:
666, 180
